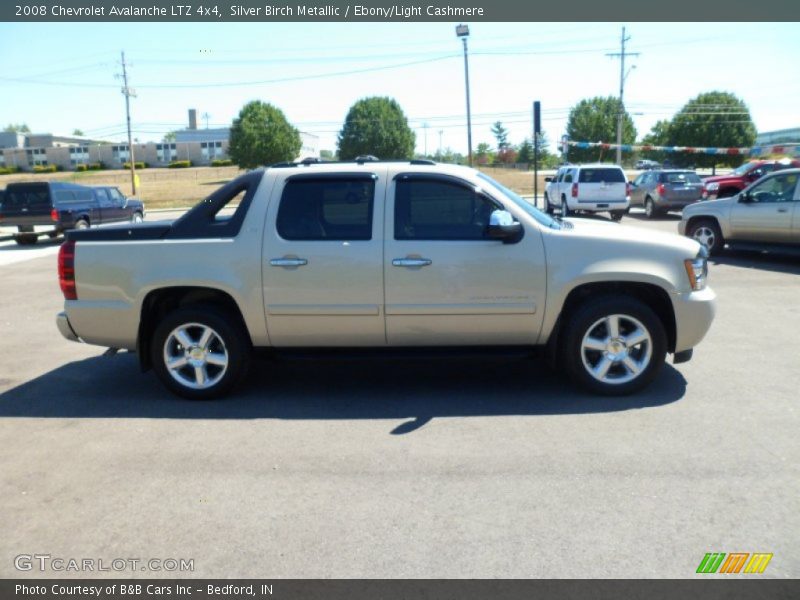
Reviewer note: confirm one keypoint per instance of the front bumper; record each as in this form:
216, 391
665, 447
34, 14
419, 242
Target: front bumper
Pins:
62, 322
694, 313
682, 226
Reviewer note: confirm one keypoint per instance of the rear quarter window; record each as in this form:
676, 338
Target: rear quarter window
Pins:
688, 177
601, 175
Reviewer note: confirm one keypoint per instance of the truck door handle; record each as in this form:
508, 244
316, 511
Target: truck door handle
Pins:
288, 262
411, 262
783, 210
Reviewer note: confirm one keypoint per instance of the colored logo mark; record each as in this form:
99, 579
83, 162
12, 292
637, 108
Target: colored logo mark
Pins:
735, 562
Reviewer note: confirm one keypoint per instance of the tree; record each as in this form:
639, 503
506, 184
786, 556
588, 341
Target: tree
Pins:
327, 155
169, 136
712, 119
595, 120
500, 133
658, 136
261, 135
525, 153
484, 154
376, 126
77, 132
17, 128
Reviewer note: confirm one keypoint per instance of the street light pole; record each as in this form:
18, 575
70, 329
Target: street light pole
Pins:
462, 31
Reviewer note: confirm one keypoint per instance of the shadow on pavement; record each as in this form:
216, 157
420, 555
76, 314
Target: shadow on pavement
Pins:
762, 260
415, 389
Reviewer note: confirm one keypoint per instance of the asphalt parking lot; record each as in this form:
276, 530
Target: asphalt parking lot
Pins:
464, 468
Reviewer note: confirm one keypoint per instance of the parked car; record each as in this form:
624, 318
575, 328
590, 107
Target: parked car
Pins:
644, 165
52, 207
765, 215
382, 255
588, 188
723, 186
661, 191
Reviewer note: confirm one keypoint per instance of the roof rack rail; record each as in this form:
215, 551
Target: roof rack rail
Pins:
360, 160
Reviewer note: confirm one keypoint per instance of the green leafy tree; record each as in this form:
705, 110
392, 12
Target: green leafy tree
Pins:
327, 155
525, 152
17, 128
376, 126
483, 154
169, 136
712, 119
658, 136
77, 132
595, 120
500, 133
261, 135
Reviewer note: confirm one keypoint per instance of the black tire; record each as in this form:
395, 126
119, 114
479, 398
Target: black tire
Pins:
648, 355
565, 211
616, 215
708, 233
26, 239
650, 210
82, 224
229, 340
547, 208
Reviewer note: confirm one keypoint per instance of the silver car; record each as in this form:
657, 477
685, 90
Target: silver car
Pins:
764, 215
660, 191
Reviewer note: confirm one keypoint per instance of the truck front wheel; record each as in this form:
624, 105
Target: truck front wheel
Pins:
614, 345
200, 352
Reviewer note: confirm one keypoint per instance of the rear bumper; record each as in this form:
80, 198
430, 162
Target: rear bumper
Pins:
599, 205
694, 313
62, 322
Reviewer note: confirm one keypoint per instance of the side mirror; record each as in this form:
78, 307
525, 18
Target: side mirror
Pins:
503, 227
548, 179
745, 198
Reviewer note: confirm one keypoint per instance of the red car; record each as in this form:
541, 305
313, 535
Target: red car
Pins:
722, 186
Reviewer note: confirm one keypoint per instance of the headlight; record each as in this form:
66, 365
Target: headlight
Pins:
712, 187
697, 270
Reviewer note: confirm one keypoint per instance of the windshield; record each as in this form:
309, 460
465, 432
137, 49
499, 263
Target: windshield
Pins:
529, 208
743, 168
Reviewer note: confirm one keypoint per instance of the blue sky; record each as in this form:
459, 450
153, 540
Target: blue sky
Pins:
58, 77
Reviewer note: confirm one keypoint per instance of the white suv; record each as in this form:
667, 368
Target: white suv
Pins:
590, 188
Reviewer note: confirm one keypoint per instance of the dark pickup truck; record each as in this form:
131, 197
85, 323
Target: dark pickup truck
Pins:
50, 208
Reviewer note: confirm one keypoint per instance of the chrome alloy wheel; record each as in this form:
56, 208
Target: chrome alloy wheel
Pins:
195, 356
705, 235
616, 349
137, 218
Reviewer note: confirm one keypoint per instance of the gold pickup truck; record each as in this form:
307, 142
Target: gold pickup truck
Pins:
371, 254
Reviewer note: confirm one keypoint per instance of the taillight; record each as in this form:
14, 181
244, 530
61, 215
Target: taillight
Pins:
574, 190
54, 215
627, 188
66, 270
660, 189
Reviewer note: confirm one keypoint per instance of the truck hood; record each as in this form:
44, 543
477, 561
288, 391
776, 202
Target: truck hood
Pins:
723, 179
626, 234
717, 204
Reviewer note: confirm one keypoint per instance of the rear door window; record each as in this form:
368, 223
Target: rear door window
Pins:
322, 209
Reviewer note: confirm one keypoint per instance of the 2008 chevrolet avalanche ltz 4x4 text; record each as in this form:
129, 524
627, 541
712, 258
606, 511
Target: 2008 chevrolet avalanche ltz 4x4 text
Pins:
372, 254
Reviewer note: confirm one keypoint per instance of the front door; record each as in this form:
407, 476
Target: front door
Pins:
767, 216
447, 282
322, 260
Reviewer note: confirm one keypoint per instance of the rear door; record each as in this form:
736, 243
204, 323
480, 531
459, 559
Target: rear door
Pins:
768, 216
638, 189
447, 282
323, 260
598, 184
106, 206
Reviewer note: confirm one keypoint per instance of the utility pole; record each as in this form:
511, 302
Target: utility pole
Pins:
128, 92
425, 129
206, 117
441, 131
622, 76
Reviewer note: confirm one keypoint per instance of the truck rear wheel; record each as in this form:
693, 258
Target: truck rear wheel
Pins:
614, 345
200, 352
26, 239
